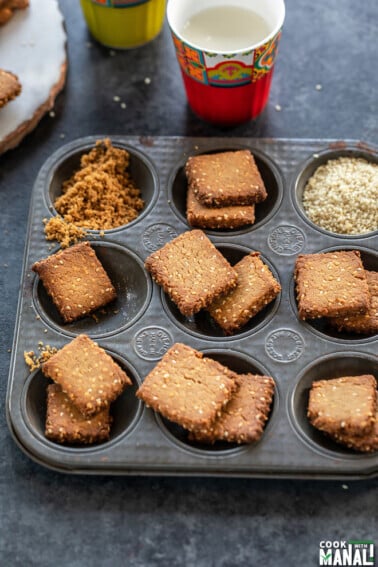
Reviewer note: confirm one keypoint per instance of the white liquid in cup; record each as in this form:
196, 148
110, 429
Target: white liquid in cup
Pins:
225, 28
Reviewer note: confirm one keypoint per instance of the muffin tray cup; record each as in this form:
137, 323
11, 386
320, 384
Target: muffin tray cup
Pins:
143, 323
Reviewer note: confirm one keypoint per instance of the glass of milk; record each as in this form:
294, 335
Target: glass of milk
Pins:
124, 24
226, 50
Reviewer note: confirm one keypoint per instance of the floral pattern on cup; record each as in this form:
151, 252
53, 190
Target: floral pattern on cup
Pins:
235, 69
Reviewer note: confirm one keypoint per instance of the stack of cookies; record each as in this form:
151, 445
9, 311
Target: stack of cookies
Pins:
191, 271
223, 189
208, 399
256, 288
197, 276
335, 285
345, 409
86, 381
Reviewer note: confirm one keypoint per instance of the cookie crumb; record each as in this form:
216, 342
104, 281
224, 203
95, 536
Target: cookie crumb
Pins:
34, 360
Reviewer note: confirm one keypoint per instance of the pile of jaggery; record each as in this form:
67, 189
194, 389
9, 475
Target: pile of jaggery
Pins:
102, 194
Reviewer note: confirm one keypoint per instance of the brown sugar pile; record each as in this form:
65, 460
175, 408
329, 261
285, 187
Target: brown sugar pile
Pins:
66, 233
102, 194
34, 360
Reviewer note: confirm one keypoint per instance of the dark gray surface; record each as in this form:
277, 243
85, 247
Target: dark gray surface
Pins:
52, 519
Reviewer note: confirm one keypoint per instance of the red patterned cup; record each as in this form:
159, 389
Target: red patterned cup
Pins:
226, 87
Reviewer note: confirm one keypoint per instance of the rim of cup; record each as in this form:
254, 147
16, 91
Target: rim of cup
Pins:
181, 9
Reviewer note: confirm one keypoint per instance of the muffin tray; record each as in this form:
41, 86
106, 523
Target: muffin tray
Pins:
143, 324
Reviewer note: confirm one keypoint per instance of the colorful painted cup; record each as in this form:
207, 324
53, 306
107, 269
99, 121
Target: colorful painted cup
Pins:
227, 88
123, 24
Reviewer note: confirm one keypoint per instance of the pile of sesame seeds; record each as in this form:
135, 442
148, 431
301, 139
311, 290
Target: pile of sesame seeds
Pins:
342, 196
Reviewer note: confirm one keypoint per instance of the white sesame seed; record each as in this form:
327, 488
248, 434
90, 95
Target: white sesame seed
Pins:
342, 196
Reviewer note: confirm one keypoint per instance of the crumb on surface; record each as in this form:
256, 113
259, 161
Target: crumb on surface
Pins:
66, 233
35, 359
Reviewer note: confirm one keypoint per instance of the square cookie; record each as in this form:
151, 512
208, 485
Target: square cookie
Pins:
345, 405
225, 178
217, 217
366, 323
87, 374
76, 281
256, 288
367, 443
331, 284
65, 423
243, 419
188, 388
191, 271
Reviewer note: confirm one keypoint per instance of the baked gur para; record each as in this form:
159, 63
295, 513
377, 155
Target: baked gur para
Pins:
65, 423
367, 443
243, 419
10, 86
342, 196
256, 288
368, 322
191, 271
101, 195
76, 281
344, 405
227, 218
188, 388
331, 284
87, 374
225, 178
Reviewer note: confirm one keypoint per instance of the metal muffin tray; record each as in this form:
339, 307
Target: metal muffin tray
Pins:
144, 323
